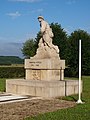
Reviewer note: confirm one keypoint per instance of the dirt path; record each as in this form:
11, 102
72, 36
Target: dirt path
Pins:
20, 110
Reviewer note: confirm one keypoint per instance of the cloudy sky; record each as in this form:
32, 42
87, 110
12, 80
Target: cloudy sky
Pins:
18, 20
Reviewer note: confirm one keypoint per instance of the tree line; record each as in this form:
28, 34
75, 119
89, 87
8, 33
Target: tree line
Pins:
68, 46
8, 60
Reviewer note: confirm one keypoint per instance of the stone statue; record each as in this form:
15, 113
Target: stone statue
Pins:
45, 47
47, 35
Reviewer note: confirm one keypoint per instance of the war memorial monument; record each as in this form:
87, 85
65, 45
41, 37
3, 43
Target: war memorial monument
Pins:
44, 72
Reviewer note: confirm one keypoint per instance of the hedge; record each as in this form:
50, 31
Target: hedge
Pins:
19, 72
12, 72
71, 72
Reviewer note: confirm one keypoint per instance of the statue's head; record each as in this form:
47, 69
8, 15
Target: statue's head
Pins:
40, 18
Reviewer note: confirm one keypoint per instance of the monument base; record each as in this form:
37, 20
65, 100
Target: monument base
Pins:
44, 69
42, 88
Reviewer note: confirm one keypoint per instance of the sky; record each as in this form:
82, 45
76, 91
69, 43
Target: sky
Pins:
18, 20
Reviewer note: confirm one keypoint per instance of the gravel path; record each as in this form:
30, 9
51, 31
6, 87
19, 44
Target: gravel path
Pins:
22, 109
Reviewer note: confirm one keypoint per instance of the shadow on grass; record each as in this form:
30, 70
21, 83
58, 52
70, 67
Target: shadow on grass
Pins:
69, 98
72, 98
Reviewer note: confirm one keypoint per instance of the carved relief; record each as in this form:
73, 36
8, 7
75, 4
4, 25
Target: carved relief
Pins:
36, 74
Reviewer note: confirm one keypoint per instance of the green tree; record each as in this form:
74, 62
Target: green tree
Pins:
39, 35
29, 48
73, 52
60, 39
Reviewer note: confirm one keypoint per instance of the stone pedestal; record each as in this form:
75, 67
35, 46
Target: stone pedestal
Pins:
44, 69
40, 88
44, 78
36, 88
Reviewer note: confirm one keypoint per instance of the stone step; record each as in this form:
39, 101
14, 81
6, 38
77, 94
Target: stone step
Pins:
5, 94
5, 98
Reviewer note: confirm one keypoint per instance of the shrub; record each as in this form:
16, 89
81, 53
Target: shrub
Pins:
70, 72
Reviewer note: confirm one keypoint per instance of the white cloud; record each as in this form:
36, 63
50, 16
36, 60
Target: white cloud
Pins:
11, 49
70, 2
29, 1
69, 29
14, 15
38, 10
2, 38
31, 35
85, 28
88, 28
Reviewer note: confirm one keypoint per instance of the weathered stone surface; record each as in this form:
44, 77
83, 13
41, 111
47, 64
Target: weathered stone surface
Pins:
71, 87
11, 98
42, 88
45, 52
44, 64
46, 49
44, 69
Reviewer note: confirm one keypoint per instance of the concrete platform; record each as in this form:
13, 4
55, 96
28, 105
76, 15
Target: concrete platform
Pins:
4, 98
42, 88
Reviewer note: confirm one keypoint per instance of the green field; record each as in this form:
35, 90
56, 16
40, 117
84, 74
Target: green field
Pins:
79, 112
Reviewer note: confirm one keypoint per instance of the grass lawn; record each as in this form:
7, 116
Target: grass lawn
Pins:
79, 112
2, 84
